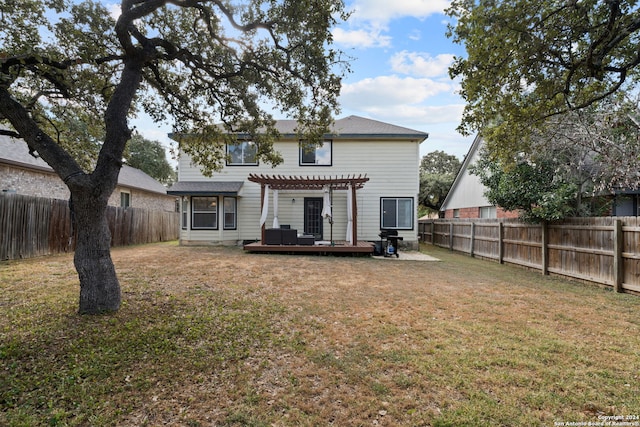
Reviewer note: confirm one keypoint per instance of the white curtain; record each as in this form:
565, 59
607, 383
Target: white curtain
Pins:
276, 223
265, 206
326, 203
349, 215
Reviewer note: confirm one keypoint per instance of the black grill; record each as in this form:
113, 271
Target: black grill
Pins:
389, 239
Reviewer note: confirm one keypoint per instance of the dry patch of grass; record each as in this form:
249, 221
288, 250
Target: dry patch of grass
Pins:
213, 336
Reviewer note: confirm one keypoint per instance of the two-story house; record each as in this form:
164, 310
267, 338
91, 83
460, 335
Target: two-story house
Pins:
363, 178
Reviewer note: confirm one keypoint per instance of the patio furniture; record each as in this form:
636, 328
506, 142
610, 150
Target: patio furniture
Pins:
306, 240
280, 236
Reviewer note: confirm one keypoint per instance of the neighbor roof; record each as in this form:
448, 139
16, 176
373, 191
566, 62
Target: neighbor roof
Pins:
15, 152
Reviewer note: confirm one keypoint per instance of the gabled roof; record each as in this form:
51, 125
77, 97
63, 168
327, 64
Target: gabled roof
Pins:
352, 127
466, 163
15, 152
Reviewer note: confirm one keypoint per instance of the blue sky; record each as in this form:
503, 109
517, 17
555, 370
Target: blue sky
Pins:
399, 71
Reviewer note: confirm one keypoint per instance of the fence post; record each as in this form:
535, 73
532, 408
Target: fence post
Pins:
451, 236
433, 232
500, 243
618, 261
545, 248
473, 236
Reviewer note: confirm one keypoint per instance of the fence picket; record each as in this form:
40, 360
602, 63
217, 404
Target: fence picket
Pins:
603, 250
32, 226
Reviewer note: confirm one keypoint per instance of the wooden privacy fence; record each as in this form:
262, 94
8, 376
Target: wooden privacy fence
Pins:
600, 250
33, 226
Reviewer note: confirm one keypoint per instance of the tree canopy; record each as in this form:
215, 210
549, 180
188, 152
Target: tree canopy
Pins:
150, 157
437, 172
528, 61
72, 76
555, 180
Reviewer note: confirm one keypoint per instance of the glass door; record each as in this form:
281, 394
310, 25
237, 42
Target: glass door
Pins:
312, 216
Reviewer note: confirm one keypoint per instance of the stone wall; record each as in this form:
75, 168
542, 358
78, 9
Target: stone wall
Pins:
32, 183
47, 184
144, 200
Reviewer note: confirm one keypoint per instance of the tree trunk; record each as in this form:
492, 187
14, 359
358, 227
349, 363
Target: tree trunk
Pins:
99, 286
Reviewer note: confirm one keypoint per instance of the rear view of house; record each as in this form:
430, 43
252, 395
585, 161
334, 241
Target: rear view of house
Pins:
364, 178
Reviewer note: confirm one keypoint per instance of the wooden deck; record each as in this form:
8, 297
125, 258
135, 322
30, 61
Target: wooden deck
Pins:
340, 247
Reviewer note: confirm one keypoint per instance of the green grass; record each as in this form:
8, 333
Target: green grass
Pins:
208, 336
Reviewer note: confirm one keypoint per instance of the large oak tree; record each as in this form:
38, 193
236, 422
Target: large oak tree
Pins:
530, 60
71, 78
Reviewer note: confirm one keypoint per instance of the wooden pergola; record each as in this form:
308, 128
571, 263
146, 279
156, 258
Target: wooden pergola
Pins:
313, 183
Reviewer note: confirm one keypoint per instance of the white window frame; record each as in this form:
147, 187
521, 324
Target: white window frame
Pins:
488, 212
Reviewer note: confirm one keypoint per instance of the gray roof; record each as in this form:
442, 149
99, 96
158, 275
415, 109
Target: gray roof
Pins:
205, 188
353, 127
16, 152
358, 127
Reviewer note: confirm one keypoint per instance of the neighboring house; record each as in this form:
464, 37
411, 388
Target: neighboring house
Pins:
465, 198
380, 159
22, 173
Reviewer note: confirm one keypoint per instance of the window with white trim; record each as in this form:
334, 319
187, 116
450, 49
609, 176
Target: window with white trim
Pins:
396, 212
242, 153
204, 213
316, 155
230, 213
488, 212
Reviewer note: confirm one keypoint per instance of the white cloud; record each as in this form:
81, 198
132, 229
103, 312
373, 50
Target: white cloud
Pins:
390, 91
114, 9
382, 11
361, 38
421, 64
417, 115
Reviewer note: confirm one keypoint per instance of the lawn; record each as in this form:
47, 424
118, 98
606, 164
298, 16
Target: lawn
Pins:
218, 337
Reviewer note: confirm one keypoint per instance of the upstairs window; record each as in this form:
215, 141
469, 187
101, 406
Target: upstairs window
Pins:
396, 213
242, 153
312, 155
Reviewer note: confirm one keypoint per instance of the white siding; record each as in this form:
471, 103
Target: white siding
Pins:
467, 191
390, 165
